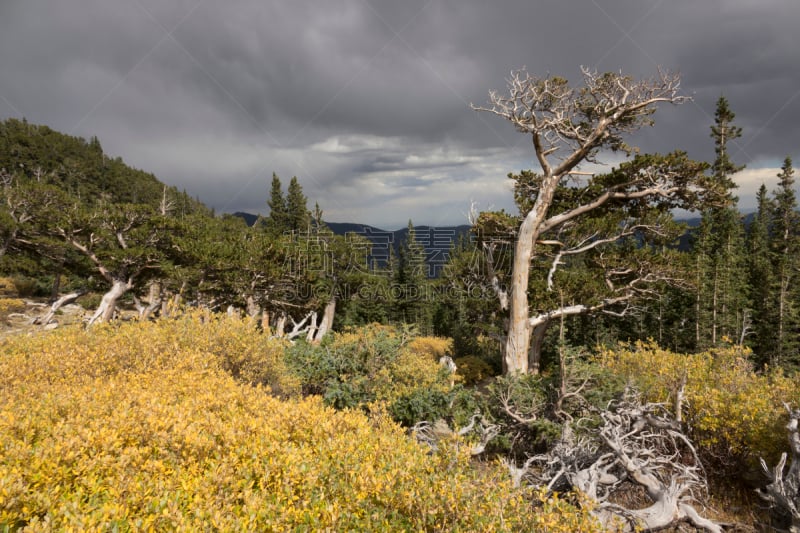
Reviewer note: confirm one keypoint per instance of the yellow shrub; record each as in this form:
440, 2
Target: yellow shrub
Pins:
7, 287
192, 342
163, 439
433, 347
733, 412
473, 369
10, 305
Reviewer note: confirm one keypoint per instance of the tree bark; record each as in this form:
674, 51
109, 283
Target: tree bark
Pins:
783, 492
312, 327
253, 309
105, 311
280, 325
537, 341
326, 323
153, 301
64, 300
515, 358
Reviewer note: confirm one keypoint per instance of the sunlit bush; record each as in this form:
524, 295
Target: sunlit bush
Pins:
10, 305
734, 414
431, 347
194, 341
142, 427
7, 287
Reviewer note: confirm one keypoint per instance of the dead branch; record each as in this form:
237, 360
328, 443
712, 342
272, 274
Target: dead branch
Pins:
64, 300
432, 433
783, 491
636, 443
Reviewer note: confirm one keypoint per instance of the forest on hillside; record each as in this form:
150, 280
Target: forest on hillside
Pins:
570, 368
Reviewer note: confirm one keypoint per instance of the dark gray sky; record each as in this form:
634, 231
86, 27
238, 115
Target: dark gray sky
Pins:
367, 101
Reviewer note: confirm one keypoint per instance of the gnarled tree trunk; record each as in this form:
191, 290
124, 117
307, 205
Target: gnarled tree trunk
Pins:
105, 311
64, 300
637, 444
326, 323
783, 492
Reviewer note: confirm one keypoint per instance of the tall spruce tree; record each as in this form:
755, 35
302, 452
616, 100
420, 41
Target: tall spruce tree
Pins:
721, 297
785, 247
278, 220
761, 337
298, 217
410, 283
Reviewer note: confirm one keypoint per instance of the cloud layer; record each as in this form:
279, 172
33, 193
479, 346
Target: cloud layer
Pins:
367, 101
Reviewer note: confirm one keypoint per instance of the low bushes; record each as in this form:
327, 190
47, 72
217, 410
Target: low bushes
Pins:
733, 414
7, 287
195, 341
142, 426
10, 305
373, 368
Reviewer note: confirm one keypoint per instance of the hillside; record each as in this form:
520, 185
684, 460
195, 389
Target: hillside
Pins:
81, 168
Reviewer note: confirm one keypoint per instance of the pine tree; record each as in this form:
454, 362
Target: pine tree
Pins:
785, 247
411, 283
721, 299
278, 219
723, 132
297, 215
762, 337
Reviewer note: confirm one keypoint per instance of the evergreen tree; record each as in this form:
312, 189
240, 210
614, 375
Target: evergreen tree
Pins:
785, 248
410, 282
278, 220
723, 132
297, 216
762, 337
721, 298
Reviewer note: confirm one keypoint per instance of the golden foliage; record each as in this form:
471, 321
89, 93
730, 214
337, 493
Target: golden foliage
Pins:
141, 427
473, 369
432, 347
733, 412
195, 341
10, 305
7, 287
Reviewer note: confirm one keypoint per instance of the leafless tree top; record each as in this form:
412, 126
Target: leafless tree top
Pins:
575, 122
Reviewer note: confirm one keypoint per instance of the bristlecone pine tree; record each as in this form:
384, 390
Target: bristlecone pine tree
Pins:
569, 126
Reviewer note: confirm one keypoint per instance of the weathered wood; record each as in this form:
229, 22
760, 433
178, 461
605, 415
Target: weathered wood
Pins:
64, 300
637, 444
783, 491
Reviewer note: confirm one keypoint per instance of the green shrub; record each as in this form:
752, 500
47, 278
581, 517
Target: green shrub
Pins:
90, 300
26, 287
421, 404
372, 368
533, 408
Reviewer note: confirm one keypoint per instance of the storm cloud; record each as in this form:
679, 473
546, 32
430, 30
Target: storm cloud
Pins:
367, 101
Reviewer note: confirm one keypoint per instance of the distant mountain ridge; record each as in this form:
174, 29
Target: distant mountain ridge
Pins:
436, 240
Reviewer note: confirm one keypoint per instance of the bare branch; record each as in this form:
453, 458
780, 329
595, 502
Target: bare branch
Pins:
638, 443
